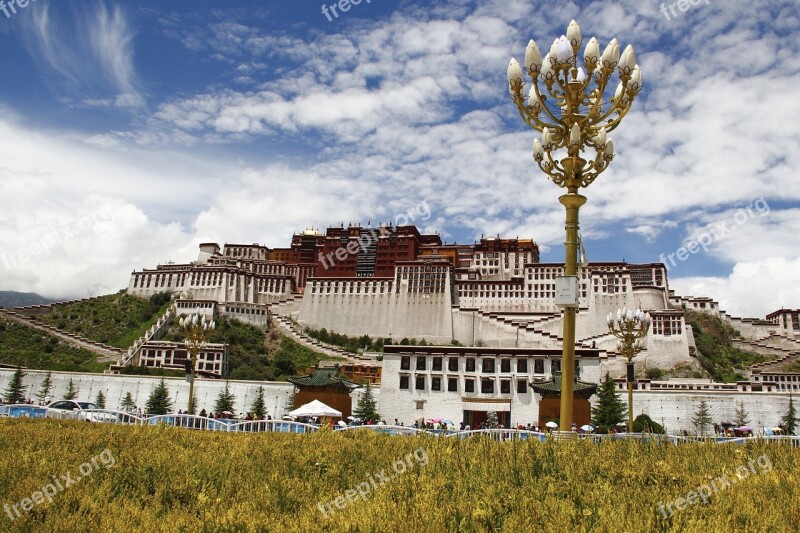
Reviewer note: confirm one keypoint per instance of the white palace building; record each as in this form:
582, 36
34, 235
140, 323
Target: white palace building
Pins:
493, 335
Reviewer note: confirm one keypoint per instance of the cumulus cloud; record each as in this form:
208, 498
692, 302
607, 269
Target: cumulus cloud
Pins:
382, 114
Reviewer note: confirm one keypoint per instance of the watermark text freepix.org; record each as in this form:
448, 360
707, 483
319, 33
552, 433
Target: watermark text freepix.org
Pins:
342, 5
713, 233
363, 489
58, 235
420, 211
706, 490
682, 5
9, 7
59, 484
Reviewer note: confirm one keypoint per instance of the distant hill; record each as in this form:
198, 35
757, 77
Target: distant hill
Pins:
9, 299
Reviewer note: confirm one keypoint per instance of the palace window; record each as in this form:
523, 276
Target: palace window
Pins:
452, 364
452, 384
538, 366
403, 382
487, 386
469, 385
470, 365
420, 383
420, 362
437, 364
505, 386
522, 365
505, 365
436, 383
405, 362
522, 386
488, 366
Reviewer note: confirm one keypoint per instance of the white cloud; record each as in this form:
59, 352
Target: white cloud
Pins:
414, 107
92, 53
753, 289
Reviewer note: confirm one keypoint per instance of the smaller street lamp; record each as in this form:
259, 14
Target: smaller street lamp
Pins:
630, 327
197, 331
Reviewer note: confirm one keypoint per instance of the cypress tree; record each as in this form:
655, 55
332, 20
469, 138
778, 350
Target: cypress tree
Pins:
101, 400
159, 402
790, 419
127, 404
225, 400
72, 391
46, 389
741, 418
367, 406
15, 393
610, 409
702, 418
259, 409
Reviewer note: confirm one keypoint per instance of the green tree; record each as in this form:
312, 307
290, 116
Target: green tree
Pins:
367, 406
72, 391
741, 418
225, 400
46, 389
283, 364
100, 400
159, 402
702, 418
644, 423
790, 419
127, 404
15, 393
259, 408
610, 409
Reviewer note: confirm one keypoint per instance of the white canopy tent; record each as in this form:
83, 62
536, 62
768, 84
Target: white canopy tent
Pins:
316, 408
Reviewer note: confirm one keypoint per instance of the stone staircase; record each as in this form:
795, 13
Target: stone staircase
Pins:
292, 330
155, 332
105, 352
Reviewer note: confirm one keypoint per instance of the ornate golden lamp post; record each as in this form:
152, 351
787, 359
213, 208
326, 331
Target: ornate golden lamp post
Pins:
197, 331
567, 104
629, 327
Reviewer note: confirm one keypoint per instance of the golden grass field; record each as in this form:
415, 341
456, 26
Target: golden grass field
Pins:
166, 479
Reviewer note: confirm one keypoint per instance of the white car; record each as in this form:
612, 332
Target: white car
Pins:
80, 411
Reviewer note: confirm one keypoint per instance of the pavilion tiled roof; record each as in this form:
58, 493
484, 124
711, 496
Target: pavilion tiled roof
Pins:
580, 388
323, 378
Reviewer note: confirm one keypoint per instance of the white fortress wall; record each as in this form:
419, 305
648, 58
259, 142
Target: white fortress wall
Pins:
464, 325
675, 410
115, 387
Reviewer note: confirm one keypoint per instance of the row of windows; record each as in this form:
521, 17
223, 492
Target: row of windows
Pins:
350, 287
667, 325
161, 280
488, 365
487, 386
168, 355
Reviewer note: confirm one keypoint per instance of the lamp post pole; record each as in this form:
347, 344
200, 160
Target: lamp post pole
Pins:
629, 327
570, 111
197, 331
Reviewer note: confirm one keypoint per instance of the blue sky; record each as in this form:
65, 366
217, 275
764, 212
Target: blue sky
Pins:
132, 131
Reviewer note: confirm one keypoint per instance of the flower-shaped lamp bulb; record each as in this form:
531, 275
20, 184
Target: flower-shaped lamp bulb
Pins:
592, 51
574, 34
533, 58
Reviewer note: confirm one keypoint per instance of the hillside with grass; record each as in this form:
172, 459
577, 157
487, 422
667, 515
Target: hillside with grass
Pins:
255, 353
115, 319
119, 319
715, 351
31, 348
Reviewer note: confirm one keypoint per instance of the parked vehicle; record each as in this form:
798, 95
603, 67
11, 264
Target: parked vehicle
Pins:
79, 410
